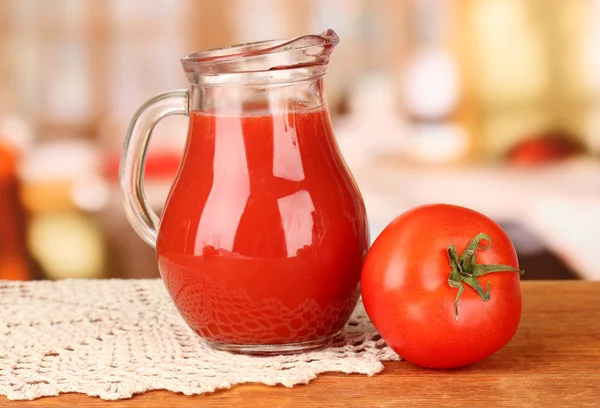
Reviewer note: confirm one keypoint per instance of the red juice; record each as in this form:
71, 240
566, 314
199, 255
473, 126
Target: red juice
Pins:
264, 232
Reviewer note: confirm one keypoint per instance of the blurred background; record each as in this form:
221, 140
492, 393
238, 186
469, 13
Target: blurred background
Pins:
491, 104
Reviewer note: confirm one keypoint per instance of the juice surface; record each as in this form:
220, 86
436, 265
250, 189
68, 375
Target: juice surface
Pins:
264, 233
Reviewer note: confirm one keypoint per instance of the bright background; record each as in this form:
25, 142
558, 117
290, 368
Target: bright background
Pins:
492, 104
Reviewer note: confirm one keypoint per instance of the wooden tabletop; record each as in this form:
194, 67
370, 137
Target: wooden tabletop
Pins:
553, 360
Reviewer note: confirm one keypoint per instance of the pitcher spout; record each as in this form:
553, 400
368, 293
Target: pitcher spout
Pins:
304, 52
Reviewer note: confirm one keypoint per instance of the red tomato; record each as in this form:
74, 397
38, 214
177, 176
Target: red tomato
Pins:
411, 286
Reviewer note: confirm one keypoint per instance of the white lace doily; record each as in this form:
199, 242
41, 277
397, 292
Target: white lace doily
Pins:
117, 338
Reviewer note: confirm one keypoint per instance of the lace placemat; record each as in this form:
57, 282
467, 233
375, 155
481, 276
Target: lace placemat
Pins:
117, 338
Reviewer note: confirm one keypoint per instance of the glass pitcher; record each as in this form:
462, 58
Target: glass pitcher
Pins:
263, 236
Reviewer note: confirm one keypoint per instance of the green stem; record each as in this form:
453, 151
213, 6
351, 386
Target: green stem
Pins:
466, 270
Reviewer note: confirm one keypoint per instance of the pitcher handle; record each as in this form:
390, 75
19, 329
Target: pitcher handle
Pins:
133, 160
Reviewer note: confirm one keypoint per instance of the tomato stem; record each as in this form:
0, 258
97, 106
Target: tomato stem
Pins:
466, 270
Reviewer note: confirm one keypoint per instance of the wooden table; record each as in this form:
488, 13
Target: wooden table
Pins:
553, 361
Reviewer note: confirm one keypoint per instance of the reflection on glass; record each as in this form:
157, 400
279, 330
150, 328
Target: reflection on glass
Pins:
297, 220
230, 190
287, 162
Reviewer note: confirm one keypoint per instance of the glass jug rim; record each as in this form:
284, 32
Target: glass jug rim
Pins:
262, 56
